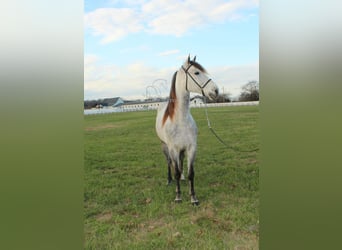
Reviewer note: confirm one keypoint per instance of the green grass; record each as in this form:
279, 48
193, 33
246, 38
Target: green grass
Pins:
127, 204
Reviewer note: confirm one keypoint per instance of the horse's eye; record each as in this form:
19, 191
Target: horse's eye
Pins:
196, 73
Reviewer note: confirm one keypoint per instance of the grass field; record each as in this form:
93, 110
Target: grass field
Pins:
127, 204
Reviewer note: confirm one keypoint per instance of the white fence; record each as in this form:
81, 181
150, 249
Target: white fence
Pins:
226, 104
144, 108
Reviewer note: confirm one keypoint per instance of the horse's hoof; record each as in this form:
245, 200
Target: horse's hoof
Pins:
178, 200
195, 203
169, 182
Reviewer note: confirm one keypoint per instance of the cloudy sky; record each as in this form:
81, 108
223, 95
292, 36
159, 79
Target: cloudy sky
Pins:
130, 44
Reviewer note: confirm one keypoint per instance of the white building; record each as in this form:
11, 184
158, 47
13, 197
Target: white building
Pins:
141, 105
196, 101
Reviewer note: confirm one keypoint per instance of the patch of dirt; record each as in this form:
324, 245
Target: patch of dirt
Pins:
207, 217
154, 224
104, 217
101, 127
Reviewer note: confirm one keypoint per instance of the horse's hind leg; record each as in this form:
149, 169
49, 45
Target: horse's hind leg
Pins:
169, 163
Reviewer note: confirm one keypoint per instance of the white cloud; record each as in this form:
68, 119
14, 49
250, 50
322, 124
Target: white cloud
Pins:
175, 23
161, 17
232, 78
227, 10
111, 23
131, 81
183, 16
169, 52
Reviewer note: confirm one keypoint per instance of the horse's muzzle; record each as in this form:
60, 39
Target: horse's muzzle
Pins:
214, 95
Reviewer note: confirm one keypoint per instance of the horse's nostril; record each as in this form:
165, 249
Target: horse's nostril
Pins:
216, 91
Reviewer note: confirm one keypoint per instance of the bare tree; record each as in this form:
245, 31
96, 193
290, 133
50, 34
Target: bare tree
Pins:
250, 92
220, 98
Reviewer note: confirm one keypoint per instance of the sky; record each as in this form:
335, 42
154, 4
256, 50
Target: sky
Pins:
133, 47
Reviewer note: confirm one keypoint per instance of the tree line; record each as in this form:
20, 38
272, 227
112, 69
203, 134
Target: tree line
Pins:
249, 92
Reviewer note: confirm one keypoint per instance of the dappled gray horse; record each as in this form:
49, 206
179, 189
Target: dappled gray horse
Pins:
175, 126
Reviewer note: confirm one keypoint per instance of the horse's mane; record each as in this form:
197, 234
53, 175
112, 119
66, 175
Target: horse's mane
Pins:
170, 109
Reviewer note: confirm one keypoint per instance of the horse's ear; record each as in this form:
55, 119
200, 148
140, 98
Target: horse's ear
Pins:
189, 58
195, 59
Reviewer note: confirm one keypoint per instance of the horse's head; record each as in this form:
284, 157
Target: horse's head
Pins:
197, 79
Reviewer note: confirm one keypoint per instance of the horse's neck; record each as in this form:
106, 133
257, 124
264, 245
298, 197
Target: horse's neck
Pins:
183, 97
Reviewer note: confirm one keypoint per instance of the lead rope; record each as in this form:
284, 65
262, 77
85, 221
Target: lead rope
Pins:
218, 138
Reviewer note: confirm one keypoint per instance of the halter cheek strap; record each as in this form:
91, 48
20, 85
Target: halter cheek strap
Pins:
186, 81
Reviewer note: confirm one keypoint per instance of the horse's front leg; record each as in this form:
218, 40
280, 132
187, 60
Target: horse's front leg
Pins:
191, 178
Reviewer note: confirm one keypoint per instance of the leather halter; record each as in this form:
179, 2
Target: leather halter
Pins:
186, 81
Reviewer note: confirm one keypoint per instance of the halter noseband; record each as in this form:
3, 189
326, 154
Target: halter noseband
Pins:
186, 81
